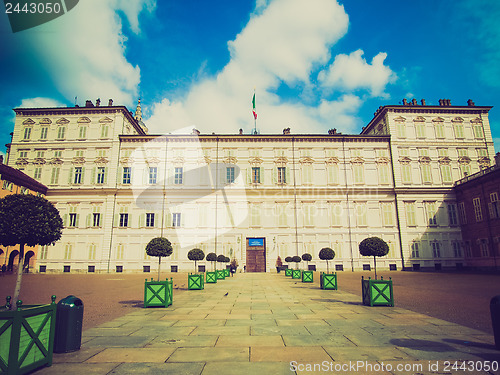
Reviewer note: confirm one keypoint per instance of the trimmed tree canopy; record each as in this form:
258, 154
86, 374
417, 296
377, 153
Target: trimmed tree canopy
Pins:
288, 259
373, 246
212, 257
296, 259
326, 254
307, 257
159, 247
221, 258
28, 219
196, 254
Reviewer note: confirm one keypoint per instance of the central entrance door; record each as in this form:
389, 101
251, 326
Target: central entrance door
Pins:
256, 254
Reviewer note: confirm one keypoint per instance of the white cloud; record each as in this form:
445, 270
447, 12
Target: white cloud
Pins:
282, 43
351, 72
84, 50
40, 103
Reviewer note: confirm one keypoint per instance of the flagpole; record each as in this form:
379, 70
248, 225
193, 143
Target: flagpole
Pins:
254, 114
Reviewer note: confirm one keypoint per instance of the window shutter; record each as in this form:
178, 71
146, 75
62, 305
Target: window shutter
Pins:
168, 219
116, 221
287, 176
141, 220
119, 177
77, 220
105, 175
88, 222
275, 175
83, 175
70, 179
261, 175
65, 220
93, 179
249, 175
129, 223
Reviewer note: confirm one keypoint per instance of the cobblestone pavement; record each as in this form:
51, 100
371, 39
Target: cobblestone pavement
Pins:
271, 324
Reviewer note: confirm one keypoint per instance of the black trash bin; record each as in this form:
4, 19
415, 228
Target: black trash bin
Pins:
69, 321
495, 319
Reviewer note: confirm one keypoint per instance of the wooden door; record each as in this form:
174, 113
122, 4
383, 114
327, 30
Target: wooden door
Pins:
256, 255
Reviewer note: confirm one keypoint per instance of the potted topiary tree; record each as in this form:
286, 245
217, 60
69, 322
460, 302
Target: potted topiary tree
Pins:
158, 293
288, 271
211, 277
221, 274
307, 276
227, 271
296, 273
376, 292
327, 280
27, 220
195, 280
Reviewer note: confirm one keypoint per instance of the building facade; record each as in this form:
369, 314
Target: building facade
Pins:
479, 212
118, 187
14, 181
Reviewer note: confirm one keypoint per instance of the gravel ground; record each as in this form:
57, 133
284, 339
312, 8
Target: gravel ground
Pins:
461, 298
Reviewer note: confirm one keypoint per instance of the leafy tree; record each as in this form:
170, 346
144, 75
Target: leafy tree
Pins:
159, 247
27, 220
307, 258
212, 257
221, 259
373, 246
296, 259
196, 255
326, 254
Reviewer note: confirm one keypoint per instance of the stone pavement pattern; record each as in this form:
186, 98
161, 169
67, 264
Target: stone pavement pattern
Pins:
265, 322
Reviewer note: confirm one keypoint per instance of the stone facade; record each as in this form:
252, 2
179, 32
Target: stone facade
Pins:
117, 187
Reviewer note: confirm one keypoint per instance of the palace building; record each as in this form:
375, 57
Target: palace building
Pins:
252, 197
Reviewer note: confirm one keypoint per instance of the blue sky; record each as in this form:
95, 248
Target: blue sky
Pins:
314, 64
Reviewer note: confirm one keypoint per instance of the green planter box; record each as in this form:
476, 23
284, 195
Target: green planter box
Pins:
296, 274
227, 272
211, 277
377, 292
221, 274
158, 293
288, 272
307, 276
27, 338
328, 281
195, 281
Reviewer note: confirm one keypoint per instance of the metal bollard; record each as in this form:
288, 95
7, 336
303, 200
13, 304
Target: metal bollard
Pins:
495, 319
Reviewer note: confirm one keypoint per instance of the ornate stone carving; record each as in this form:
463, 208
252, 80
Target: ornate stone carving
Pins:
281, 161
153, 161
126, 161
405, 160
39, 161
424, 160
56, 161
444, 160
79, 160
484, 161
256, 161
332, 160
230, 160
306, 160
84, 120
62, 121
464, 160
28, 122
357, 160
105, 120
45, 121
101, 161
383, 160
22, 162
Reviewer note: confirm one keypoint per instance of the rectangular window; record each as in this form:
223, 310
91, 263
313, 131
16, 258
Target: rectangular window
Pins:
282, 214
411, 217
281, 175
420, 129
360, 210
426, 173
446, 173
255, 214
476, 202
478, 131
178, 176
96, 219
67, 251
153, 172
485, 251
461, 211
307, 172
79, 153
72, 219
92, 251
58, 154
78, 175
401, 129
255, 175
27, 133
126, 175
61, 132
459, 129
308, 215
82, 132
439, 127
387, 215
452, 214
43, 132
176, 219
44, 252
101, 172
150, 219
457, 249
358, 173
104, 131
436, 249
415, 252
38, 173
23, 154
406, 173
119, 253
431, 213
336, 214
54, 178
230, 175
383, 173
333, 174
465, 169
493, 206
124, 220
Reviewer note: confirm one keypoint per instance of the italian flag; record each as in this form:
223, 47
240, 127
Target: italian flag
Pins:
254, 111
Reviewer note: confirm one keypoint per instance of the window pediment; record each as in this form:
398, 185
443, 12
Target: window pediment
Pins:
444, 160
101, 160
424, 160
464, 160
39, 161
357, 160
45, 121
306, 160
28, 122
383, 160
405, 160
256, 160
438, 119
400, 119
79, 160
62, 121
56, 161
22, 161
419, 119
457, 119
476, 121
83, 120
332, 160
106, 120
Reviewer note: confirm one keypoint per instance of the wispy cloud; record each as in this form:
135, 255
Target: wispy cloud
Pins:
40, 103
285, 42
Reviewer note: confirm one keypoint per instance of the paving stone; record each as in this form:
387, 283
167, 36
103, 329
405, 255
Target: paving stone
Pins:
78, 369
182, 341
217, 354
132, 355
308, 354
120, 341
246, 368
159, 368
233, 341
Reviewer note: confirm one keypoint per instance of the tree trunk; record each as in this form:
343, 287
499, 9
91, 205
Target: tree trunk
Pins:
195, 266
327, 267
375, 266
159, 265
17, 289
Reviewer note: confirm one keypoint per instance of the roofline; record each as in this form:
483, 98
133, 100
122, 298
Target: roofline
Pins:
81, 110
409, 108
22, 179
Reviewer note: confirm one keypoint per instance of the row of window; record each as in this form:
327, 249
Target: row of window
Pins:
436, 249
421, 129
431, 214
61, 133
493, 209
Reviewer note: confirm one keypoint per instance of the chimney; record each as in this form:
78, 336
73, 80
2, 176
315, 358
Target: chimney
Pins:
414, 101
470, 103
98, 102
89, 103
497, 159
441, 102
241, 131
405, 102
422, 101
110, 102
448, 102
